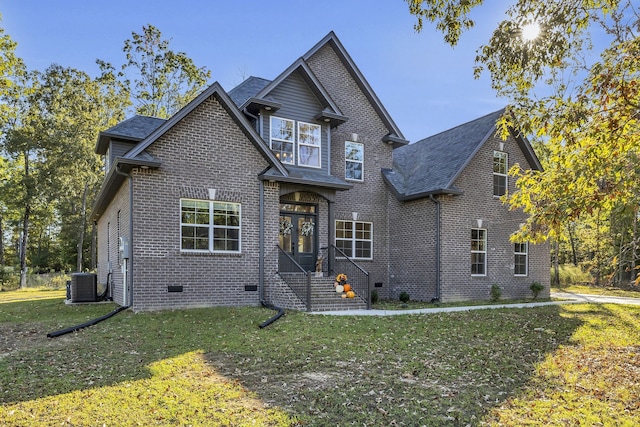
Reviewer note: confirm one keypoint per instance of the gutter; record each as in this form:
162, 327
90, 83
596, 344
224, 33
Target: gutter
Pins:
437, 202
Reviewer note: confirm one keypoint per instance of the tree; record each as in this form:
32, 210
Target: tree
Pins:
586, 110
160, 80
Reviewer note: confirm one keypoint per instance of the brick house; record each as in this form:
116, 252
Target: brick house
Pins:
240, 195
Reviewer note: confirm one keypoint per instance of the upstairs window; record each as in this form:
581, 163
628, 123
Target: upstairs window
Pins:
296, 143
309, 143
500, 168
208, 226
520, 259
478, 252
354, 161
283, 139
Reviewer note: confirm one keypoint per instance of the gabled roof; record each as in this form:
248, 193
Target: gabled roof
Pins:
214, 90
247, 89
133, 129
137, 156
255, 93
395, 135
431, 165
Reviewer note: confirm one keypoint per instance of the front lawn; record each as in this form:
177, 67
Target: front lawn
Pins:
564, 365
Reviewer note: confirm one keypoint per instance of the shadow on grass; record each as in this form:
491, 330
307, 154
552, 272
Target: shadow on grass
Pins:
436, 369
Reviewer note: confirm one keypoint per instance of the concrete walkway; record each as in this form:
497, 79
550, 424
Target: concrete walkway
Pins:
565, 298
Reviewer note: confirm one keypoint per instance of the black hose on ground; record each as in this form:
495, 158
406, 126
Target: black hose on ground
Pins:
274, 318
86, 324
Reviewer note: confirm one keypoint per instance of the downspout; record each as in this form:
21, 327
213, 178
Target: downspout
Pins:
437, 202
261, 242
253, 116
130, 272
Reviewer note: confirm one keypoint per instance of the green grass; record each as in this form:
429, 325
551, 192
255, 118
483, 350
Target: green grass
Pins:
561, 365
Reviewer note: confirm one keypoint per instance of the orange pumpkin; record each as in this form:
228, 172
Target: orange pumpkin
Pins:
347, 287
351, 294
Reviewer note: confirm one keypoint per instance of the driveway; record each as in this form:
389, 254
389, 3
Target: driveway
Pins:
600, 299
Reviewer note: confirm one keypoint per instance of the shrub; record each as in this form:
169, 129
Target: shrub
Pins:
404, 297
374, 296
536, 288
496, 292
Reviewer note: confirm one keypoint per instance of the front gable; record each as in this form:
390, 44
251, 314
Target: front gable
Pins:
325, 56
140, 155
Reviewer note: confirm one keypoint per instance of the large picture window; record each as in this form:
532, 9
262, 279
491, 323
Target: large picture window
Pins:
209, 226
309, 143
520, 259
500, 168
355, 239
283, 139
478, 252
354, 161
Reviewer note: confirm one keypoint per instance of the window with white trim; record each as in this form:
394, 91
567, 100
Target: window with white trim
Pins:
478, 252
209, 226
521, 259
309, 143
353, 161
355, 238
282, 139
500, 168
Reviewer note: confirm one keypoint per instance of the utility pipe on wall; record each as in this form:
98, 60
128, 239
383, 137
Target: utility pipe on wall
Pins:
130, 264
437, 202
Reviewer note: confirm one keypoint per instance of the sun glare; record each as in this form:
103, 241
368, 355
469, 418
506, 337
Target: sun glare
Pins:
530, 31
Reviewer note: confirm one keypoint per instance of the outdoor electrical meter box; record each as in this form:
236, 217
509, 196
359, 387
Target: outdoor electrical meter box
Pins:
124, 247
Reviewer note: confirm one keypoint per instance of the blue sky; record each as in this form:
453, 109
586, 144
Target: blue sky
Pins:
426, 85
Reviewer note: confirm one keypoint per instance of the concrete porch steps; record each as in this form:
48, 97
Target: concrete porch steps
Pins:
323, 294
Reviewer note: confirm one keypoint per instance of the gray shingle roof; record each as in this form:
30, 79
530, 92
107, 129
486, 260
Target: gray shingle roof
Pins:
306, 176
431, 165
247, 89
135, 128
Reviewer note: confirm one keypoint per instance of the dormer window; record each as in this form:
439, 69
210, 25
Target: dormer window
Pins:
307, 151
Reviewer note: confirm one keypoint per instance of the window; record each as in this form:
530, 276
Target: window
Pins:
354, 161
282, 139
283, 142
520, 259
500, 168
309, 143
478, 252
355, 239
208, 226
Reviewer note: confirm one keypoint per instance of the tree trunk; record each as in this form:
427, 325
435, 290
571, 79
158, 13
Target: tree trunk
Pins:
1, 243
556, 267
634, 246
573, 245
24, 240
83, 226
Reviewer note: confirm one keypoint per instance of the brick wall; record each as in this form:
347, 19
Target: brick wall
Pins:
368, 198
413, 248
205, 150
113, 223
461, 213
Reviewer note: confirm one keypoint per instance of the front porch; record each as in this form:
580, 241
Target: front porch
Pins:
297, 288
